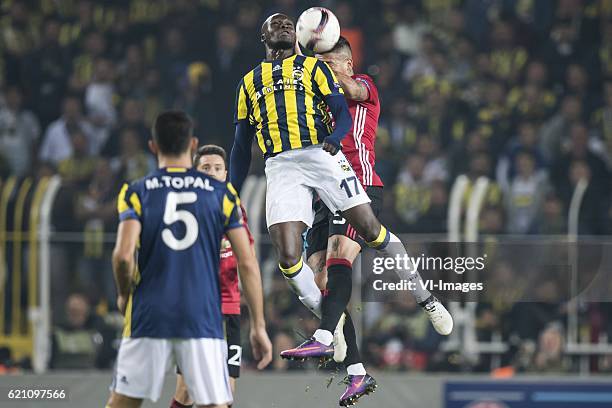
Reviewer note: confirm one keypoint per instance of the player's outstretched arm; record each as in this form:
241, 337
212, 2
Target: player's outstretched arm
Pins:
240, 156
250, 276
123, 259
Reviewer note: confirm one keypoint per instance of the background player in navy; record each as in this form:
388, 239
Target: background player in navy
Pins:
175, 218
212, 160
284, 101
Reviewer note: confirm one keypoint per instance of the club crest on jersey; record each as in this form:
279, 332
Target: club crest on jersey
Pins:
344, 165
298, 74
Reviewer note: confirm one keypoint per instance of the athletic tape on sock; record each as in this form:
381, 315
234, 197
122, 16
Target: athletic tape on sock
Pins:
382, 240
292, 270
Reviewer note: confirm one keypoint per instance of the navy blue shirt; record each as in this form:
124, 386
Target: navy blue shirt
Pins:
184, 215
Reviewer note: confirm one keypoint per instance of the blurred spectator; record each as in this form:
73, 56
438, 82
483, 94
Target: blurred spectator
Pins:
19, 133
130, 72
422, 64
46, 73
507, 58
555, 132
524, 195
96, 212
602, 120
77, 169
525, 142
132, 117
352, 32
580, 162
549, 353
554, 220
99, 96
132, 162
81, 340
172, 61
57, 143
402, 339
412, 189
408, 32
83, 65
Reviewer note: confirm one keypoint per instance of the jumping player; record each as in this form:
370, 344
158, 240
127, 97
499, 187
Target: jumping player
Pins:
283, 103
331, 237
174, 219
211, 160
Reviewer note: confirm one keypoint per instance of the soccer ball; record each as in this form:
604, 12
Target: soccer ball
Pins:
318, 29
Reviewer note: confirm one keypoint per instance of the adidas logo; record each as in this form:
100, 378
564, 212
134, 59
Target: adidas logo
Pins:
124, 380
276, 68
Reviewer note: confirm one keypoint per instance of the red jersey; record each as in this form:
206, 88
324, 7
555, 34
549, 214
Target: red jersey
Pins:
228, 270
358, 144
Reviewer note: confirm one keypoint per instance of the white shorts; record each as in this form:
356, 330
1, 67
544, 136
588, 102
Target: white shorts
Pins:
293, 177
142, 364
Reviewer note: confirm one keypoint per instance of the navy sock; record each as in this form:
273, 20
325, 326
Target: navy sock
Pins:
339, 287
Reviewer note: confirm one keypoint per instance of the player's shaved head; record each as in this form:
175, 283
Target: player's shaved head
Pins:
266, 24
172, 132
278, 32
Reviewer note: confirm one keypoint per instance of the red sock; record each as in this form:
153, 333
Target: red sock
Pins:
176, 404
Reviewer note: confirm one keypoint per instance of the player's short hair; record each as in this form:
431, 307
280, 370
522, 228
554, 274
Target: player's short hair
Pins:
208, 150
342, 45
172, 131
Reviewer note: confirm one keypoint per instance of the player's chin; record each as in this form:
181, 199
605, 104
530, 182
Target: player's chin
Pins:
284, 43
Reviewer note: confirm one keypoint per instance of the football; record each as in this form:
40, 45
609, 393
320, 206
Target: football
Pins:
318, 29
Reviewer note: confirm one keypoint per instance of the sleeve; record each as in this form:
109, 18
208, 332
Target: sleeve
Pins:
232, 213
128, 204
326, 80
340, 111
240, 156
372, 90
245, 221
242, 105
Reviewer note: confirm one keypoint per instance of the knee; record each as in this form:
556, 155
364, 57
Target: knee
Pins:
370, 229
289, 257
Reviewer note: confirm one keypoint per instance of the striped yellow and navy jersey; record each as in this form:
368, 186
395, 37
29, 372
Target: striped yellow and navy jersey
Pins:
285, 102
183, 214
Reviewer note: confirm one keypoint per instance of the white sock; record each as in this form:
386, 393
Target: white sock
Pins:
394, 249
303, 284
324, 336
356, 369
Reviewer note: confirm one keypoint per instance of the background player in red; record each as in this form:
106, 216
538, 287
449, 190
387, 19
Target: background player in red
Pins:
212, 160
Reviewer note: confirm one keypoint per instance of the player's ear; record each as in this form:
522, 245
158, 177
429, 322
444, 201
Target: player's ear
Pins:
263, 37
194, 145
153, 147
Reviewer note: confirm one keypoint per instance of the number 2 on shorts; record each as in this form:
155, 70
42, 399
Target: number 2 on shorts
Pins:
345, 185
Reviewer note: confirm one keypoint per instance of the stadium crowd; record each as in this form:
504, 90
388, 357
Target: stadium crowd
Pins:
517, 91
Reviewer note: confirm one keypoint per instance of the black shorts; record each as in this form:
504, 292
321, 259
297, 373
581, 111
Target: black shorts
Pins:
234, 347
327, 224
231, 326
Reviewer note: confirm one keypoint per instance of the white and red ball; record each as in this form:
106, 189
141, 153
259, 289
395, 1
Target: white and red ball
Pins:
318, 29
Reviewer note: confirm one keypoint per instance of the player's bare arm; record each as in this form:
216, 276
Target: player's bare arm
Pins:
353, 90
123, 259
250, 276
